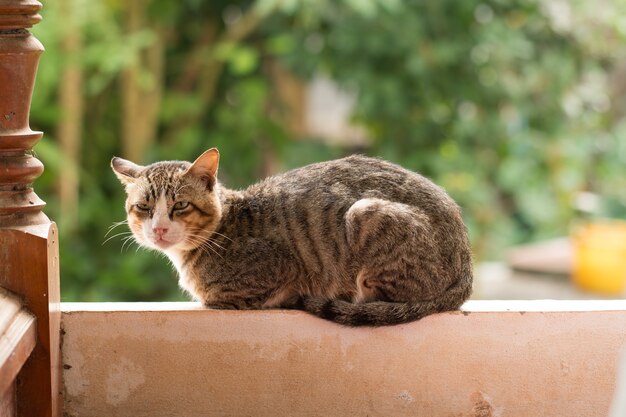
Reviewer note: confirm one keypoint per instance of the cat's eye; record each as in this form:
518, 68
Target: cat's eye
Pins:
181, 205
142, 207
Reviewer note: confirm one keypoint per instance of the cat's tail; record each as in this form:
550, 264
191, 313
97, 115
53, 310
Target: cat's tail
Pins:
381, 313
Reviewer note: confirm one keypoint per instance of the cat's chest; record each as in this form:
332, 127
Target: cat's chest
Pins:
177, 260
188, 279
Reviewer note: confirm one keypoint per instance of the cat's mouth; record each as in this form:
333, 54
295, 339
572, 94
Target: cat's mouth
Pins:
162, 243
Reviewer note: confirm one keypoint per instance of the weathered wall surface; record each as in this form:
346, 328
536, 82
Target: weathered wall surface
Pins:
179, 360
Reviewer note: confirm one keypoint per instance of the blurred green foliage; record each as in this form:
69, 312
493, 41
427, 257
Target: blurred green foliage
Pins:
513, 106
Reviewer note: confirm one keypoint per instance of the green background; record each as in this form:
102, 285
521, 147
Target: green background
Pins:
515, 107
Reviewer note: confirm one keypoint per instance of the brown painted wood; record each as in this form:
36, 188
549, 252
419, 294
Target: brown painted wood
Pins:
7, 402
29, 267
28, 239
18, 336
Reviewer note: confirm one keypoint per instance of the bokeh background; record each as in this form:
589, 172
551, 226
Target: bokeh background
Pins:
516, 107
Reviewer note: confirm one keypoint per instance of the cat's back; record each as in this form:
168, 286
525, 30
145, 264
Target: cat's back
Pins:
354, 169
346, 180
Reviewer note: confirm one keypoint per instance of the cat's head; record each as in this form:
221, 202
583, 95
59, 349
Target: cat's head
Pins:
171, 205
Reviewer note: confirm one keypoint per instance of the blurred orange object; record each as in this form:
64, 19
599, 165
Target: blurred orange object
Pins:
600, 257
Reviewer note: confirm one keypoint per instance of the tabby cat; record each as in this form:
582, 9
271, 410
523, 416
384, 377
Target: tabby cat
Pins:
358, 241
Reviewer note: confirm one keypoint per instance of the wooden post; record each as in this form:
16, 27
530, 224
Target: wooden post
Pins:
28, 239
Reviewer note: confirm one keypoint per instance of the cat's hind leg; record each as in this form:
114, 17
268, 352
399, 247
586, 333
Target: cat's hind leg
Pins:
406, 267
398, 252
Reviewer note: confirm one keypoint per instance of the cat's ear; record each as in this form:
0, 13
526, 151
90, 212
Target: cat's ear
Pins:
125, 171
205, 167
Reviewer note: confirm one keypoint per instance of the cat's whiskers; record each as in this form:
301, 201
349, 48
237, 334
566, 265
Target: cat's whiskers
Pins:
212, 239
222, 235
128, 240
205, 248
201, 243
214, 242
202, 247
115, 225
125, 242
128, 234
116, 235
197, 240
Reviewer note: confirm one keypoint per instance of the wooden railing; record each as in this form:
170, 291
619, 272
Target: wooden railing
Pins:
29, 278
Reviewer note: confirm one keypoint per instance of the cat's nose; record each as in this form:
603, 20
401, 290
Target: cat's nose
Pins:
160, 231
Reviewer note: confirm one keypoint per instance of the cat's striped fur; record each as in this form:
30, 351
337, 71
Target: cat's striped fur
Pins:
359, 241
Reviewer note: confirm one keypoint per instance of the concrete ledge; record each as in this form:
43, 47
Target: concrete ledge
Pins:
472, 306
531, 358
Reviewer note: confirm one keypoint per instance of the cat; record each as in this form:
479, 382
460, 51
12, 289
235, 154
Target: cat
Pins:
358, 240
